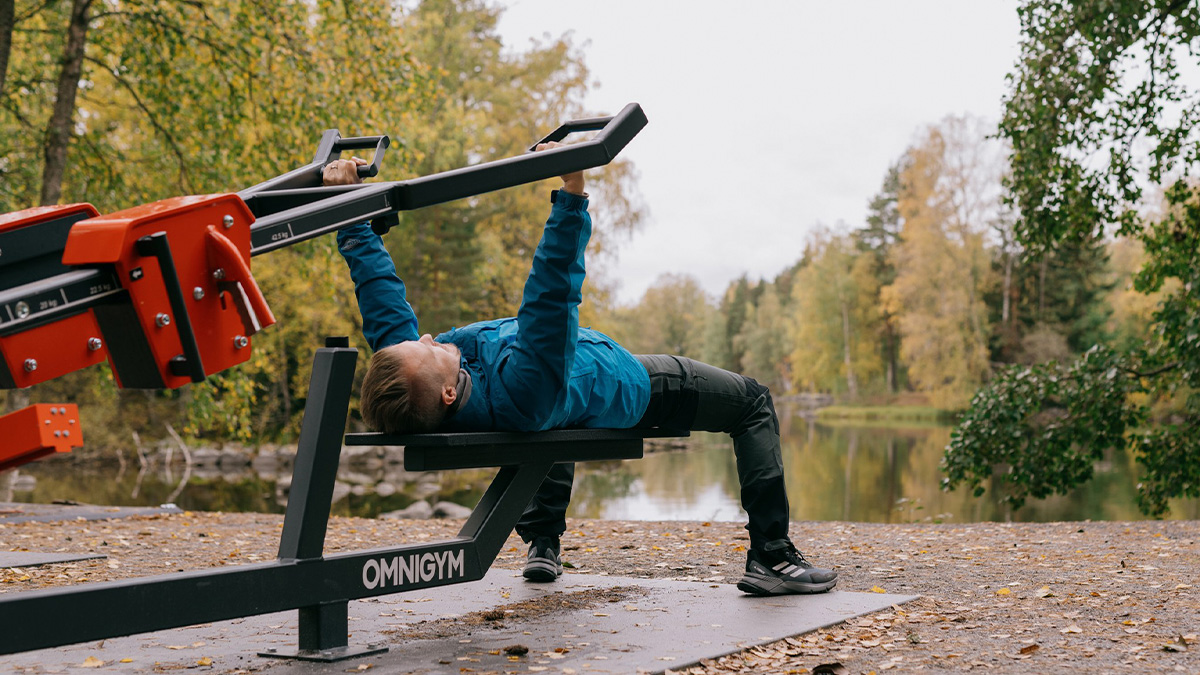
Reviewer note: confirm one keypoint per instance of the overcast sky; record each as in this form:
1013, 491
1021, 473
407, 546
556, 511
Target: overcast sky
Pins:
770, 118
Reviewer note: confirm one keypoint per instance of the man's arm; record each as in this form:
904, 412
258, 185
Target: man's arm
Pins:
536, 373
387, 316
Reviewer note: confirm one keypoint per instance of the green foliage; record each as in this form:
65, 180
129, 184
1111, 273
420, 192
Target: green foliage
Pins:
835, 317
878, 237
1098, 81
1066, 288
670, 319
1102, 79
1043, 427
763, 341
735, 305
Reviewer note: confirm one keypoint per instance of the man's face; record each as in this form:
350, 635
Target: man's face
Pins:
427, 356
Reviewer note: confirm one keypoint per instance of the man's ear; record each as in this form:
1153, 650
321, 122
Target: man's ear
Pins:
449, 394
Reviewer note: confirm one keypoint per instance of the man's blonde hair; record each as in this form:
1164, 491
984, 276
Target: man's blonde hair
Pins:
394, 401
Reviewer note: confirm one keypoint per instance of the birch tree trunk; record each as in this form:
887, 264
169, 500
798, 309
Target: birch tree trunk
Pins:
851, 381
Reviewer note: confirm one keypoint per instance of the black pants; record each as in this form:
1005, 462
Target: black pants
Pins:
687, 394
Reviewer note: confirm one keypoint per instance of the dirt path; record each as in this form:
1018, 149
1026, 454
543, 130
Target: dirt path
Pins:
1069, 597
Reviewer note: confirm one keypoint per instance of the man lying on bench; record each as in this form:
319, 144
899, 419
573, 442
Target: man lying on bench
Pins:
541, 371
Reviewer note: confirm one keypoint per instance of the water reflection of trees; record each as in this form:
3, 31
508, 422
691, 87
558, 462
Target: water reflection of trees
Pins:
834, 472
853, 473
680, 478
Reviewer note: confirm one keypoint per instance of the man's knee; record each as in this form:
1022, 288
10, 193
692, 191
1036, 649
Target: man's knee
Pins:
763, 402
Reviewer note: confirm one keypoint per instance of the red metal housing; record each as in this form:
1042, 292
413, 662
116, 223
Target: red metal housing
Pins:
39, 430
209, 241
51, 350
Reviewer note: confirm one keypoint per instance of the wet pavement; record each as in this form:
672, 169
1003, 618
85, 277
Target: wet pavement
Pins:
581, 624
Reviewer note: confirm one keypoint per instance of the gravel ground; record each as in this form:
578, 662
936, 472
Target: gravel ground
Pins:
1084, 597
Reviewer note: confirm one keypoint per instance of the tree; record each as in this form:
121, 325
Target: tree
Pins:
670, 319
7, 21
1064, 291
877, 237
941, 266
58, 129
1101, 106
835, 318
735, 306
468, 260
763, 340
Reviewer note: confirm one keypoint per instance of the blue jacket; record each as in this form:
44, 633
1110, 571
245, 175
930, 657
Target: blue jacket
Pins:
534, 372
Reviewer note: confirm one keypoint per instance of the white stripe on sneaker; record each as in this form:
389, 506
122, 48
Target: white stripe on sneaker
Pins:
781, 565
791, 570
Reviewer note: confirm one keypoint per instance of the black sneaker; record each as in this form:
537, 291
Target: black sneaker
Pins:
778, 568
543, 563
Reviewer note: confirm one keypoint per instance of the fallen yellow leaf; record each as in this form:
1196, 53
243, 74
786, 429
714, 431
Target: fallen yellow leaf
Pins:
204, 662
91, 662
1003, 591
877, 589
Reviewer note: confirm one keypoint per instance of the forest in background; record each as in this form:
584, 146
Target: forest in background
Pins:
928, 296
1038, 275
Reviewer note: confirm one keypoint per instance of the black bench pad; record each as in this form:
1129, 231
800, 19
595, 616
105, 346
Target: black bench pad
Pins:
429, 452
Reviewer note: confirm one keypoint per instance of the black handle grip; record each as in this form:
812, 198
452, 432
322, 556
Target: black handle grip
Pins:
380, 143
574, 126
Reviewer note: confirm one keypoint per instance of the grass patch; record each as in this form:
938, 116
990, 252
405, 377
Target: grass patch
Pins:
887, 413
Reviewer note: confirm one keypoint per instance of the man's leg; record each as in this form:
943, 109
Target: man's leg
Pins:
544, 521
687, 394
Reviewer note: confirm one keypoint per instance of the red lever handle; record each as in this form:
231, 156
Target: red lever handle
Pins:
225, 255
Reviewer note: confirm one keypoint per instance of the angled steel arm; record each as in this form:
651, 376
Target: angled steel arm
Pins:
287, 214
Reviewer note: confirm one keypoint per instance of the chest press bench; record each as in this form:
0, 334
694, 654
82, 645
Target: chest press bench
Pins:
302, 577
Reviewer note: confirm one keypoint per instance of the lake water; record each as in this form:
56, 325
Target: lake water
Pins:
847, 472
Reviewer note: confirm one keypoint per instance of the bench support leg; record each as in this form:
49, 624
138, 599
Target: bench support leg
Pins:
323, 630
501, 507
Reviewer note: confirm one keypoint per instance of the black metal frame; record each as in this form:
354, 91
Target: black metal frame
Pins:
295, 207
303, 578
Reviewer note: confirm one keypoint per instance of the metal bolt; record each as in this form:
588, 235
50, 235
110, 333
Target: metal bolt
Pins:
228, 221
53, 411
94, 344
62, 411
240, 341
22, 310
198, 293
162, 320
66, 433
48, 421
58, 434
219, 273
30, 365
